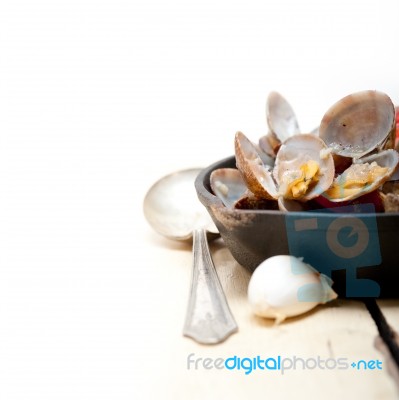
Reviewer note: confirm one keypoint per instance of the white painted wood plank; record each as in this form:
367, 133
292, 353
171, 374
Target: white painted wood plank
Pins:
342, 329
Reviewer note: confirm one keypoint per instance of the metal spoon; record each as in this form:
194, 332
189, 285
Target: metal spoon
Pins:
173, 210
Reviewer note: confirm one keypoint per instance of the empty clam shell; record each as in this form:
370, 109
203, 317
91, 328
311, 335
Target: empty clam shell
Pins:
228, 185
280, 116
358, 123
256, 174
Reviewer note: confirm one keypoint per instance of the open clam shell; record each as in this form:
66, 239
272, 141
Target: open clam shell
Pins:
364, 176
298, 155
281, 117
282, 123
228, 185
359, 123
256, 174
304, 168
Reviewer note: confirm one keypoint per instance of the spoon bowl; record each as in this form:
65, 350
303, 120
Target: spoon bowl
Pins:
172, 208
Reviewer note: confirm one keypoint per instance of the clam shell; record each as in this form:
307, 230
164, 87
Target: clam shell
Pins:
281, 117
266, 158
359, 123
388, 159
298, 150
269, 145
228, 185
255, 173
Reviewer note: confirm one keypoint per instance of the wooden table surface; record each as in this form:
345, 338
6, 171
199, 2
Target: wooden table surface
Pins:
340, 329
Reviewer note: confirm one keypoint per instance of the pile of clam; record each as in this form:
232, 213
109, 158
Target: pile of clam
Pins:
349, 159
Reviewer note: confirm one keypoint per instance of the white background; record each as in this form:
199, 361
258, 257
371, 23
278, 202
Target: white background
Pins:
100, 98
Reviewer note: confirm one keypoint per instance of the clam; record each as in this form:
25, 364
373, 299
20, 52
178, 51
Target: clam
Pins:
304, 168
265, 157
282, 123
257, 175
281, 117
269, 145
359, 123
363, 176
228, 185
346, 159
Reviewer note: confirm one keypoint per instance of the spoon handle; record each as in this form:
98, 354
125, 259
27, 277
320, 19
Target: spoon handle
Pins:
209, 319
